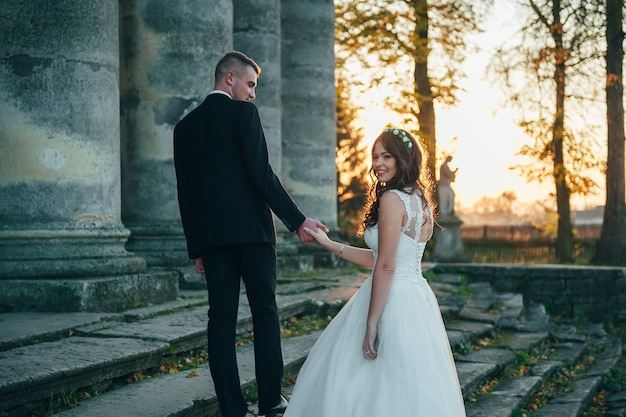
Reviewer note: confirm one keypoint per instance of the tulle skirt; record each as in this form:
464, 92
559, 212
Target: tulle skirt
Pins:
413, 376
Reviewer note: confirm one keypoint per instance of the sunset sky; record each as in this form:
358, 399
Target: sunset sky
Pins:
487, 138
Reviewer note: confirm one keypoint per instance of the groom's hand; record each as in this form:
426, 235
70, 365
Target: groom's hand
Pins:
311, 224
200, 266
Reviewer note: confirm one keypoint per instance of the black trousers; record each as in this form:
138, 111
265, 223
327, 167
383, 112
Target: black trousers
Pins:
225, 268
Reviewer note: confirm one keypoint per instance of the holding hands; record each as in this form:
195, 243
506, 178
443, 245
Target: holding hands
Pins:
355, 255
304, 233
319, 235
310, 224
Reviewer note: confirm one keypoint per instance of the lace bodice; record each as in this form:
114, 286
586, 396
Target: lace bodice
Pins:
416, 231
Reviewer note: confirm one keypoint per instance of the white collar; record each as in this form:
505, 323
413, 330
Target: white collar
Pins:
221, 92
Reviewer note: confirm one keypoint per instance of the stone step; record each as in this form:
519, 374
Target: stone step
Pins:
33, 374
97, 352
50, 354
616, 404
571, 404
480, 366
607, 353
502, 402
102, 348
516, 392
26, 328
523, 329
182, 394
196, 397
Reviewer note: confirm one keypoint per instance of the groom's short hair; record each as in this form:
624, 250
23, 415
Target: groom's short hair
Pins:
234, 61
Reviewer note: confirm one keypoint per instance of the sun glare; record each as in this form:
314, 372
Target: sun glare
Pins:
480, 135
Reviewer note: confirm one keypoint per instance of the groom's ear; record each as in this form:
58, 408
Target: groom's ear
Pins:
230, 77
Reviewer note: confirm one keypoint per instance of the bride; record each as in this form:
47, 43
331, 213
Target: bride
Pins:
386, 353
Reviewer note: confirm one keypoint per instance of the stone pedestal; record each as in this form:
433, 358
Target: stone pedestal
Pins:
88, 293
448, 244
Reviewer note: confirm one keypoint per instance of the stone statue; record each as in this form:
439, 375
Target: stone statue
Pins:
448, 243
444, 189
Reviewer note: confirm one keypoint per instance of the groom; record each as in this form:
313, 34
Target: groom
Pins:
227, 192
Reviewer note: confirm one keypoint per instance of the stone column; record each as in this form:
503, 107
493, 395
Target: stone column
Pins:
257, 34
308, 106
308, 112
168, 52
61, 237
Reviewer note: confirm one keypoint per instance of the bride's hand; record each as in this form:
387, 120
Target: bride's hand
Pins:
370, 344
319, 235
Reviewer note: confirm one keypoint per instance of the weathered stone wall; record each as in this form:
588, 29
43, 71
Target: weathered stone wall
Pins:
597, 293
91, 91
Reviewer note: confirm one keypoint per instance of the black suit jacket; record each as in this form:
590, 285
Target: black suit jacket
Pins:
226, 187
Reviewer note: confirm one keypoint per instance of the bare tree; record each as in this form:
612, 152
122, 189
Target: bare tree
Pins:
557, 45
611, 247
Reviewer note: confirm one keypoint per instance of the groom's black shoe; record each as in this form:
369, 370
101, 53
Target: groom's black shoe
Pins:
278, 409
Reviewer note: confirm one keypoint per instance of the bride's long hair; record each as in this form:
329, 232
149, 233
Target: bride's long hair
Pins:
408, 155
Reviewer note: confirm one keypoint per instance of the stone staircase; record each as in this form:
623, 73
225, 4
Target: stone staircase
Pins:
526, 354
510, 357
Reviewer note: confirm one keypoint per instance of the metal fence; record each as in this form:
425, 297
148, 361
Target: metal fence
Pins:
520, 244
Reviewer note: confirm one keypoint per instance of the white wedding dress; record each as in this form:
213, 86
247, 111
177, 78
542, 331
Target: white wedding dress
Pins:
414, 374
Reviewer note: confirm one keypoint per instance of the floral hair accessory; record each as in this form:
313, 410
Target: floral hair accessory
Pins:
402, 135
